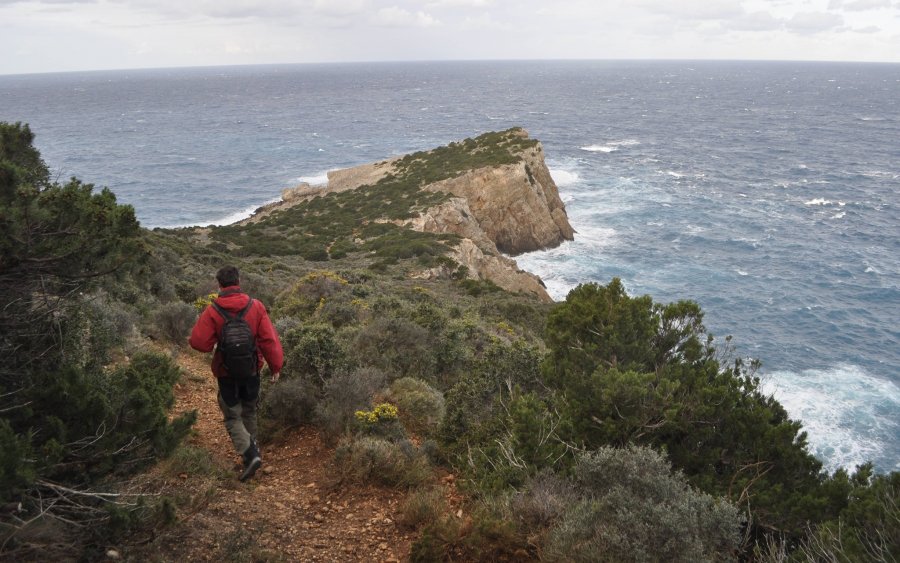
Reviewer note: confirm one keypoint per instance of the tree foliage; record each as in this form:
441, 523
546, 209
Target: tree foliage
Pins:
70, 428
629, 370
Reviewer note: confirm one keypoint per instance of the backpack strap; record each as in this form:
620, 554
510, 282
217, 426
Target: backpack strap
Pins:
228, 316
245, 309
225, 314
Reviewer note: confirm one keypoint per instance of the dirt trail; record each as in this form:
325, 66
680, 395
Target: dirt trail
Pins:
290, 511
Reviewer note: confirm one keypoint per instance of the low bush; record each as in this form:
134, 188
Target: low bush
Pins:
344, 394
376, 459
173, 322
423, 506
290, 402
421, 406
312, 351
633, 507
397, 346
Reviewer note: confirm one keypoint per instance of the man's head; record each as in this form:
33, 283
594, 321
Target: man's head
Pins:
228, 276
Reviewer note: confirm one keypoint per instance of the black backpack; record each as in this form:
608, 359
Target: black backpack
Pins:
237, 344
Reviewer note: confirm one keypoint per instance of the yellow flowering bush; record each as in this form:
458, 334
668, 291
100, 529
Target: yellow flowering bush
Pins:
382, 412
203, 302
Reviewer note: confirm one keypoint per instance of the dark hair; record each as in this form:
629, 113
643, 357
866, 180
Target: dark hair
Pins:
228, 276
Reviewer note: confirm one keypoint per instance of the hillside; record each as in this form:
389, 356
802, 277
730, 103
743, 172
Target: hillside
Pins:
434, 404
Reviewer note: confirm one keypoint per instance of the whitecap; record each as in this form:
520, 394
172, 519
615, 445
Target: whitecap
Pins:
818, 201
840, 215
320, 179
612, 146
600, 148
742, 273
595, 236
674, 174
842, 410
563, 177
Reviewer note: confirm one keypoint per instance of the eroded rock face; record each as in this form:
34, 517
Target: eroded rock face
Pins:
476, 251
516, 205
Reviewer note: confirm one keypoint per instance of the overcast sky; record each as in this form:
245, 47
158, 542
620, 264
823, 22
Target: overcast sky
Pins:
62, 35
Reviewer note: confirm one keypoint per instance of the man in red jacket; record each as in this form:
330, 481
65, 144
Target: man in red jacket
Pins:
238, 396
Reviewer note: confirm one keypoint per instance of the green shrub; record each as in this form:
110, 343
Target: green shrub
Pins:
421, 405
344, 394
423, 506
370, 458
289, 402
312, 351
396, 346
634, 508
173, 322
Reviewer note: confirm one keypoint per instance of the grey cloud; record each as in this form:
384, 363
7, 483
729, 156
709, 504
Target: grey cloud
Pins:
868, 29
814, 22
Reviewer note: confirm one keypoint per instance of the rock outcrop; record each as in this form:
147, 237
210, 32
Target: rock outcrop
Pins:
508, 208
516, 205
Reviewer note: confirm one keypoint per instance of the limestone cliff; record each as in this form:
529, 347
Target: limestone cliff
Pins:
502, 199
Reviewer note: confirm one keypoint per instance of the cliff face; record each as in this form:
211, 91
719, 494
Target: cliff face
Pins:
516, 205
506, 202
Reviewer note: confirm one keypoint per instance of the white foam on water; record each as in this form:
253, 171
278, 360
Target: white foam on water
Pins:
742, 273
818, 201
564, 178
612, 146
600, 148
596, 237
842, 409
241, 215
320, 179
840, 215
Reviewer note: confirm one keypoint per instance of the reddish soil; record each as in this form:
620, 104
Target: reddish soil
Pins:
293, 509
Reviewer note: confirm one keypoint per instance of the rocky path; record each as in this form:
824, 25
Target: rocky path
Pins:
290, 511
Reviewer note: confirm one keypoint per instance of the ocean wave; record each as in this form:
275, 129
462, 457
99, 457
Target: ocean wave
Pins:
241, 215
848, 414
320, 179
564, 178
823, 201
611, 147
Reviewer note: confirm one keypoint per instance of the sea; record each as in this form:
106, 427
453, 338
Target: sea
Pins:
765, 191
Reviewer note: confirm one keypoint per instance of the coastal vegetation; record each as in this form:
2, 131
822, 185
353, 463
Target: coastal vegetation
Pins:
607, 427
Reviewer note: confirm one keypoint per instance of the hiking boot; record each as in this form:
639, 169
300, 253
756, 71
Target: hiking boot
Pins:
252, 461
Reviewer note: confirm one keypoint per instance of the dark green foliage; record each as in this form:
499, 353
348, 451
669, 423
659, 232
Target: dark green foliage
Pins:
396, 346
868, 529
630, 370
70, 427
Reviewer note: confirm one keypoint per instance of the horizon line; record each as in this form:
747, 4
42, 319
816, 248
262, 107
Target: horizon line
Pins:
438, 61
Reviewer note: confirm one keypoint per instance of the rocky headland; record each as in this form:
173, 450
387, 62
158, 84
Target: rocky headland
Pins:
499, 207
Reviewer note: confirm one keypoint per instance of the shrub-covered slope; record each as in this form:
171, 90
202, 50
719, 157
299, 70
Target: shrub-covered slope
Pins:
606, 427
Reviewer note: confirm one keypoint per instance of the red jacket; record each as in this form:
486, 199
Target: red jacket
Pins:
209, 326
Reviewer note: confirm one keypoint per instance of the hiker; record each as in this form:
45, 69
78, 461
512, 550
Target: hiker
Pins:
241, 328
